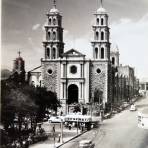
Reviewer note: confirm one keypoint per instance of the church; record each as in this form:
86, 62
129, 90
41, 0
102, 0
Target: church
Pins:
72, 76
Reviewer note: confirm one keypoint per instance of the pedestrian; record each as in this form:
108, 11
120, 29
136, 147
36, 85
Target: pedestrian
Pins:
24, 144
92, 126
61, 113
53, 129
18, 145
29, 140
73, 124
13, 144
69, 126
59, 137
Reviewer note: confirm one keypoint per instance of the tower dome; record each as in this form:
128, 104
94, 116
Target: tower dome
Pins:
101, 10
19, 64
54, 9
18, 72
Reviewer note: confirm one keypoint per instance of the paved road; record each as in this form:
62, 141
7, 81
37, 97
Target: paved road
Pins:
121, 131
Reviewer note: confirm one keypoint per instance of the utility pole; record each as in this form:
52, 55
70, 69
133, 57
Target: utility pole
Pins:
77, 125
61, 131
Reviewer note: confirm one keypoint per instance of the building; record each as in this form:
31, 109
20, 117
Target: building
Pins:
18, 72
143, 86
75, 78
72, 76
125, 84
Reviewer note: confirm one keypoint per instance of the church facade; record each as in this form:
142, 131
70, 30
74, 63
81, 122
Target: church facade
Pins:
72, 76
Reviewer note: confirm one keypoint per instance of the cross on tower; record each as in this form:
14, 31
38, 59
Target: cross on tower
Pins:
101, 3
54, 3
19, 53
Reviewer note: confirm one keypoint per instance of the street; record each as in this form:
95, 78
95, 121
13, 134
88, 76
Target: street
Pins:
121, 131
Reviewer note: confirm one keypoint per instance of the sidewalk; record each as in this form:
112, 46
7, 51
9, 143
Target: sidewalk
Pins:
52, 142
118, 108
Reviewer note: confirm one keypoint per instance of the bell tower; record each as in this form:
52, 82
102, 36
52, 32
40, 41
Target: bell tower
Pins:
100, 71
100, 43
53, 44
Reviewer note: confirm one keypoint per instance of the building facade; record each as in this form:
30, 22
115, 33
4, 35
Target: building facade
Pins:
72, 76
143, 86
125, 83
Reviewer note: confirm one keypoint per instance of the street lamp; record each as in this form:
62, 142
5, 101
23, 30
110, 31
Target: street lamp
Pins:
61, 131
77, 125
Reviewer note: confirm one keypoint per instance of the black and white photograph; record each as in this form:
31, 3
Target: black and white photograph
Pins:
74, 74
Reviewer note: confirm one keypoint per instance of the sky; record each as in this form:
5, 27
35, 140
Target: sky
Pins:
23, 21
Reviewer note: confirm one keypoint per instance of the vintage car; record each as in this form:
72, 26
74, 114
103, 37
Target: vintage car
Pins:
86, 144
133, 108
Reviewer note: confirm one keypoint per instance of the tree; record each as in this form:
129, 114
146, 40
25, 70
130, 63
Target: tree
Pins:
21, 99
45, 100
15, 101
98, 101
98, 96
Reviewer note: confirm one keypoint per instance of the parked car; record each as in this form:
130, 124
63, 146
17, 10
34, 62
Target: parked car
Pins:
86, 144
45, 119
54, 119
133, 108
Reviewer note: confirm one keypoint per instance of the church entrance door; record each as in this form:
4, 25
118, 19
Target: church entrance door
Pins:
72, 94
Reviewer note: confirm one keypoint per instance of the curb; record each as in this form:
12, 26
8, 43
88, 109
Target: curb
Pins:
131, 103
71, 139
124, 108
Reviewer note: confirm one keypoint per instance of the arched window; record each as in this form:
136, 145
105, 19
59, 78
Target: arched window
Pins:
102, 35
49, 35
48, 52
54, 21
53, 53
102, 21
54, 35
113, 60
96, 53
102, 53
97, 35
49, 21
97, 21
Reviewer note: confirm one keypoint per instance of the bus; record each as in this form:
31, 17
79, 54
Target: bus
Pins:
87, 120
143, 118
77, 118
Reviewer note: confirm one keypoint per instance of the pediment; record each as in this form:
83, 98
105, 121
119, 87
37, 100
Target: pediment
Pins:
73, 52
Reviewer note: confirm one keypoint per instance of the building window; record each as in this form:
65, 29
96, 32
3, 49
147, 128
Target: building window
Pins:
53, 53
97, 35
50, 21
54, 21
96, 53
102, 53
49, 35
113, 60
98, 70
102, 35
48, 52
54, 35
49, 71
97, 21
102, 21
73, 69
